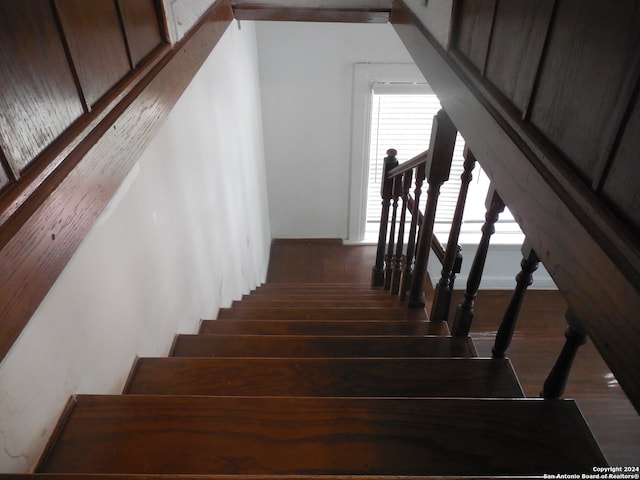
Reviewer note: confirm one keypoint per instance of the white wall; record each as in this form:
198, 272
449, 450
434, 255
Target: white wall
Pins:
186, 233
306, 78
435, 16
182, 15
307, 83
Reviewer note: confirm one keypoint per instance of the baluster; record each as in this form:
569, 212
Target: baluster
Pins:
442, 295
559, 376
411, 241
464, 313
386, 191
397, 187
397, 267
457, 266
529, 264
443, 139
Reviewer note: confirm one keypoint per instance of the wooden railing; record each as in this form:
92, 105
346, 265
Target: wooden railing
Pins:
401, 274
578, 211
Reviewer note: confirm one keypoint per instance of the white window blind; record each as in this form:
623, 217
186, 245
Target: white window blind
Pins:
401, 121
401, 118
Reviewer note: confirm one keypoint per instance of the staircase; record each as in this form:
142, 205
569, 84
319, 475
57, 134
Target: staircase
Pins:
308, 380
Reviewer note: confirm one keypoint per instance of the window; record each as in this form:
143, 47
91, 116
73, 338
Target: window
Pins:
401, 118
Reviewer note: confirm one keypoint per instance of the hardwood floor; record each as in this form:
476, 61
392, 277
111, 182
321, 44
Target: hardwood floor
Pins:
536, 343
320, 261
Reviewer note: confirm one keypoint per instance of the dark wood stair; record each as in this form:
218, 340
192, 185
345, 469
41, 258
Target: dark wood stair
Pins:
321, 302
325, 377
318, 313
326, 327
248, 435
276, 387
320, 346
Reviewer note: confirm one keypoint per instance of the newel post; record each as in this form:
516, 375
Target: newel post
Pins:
438, 166
386, 190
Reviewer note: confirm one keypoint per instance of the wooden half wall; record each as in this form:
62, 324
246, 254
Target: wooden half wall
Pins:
82, 95
552, 135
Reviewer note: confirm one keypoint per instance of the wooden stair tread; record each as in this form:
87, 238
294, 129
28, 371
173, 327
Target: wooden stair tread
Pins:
323, 293
333, 291
312, 303
326, 294
242, 435
319, 297
284, 313
320, 346
319, 285
328, 377
323, 327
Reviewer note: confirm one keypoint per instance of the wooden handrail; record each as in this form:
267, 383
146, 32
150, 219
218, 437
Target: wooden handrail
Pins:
409, 164
44, 221
436, 246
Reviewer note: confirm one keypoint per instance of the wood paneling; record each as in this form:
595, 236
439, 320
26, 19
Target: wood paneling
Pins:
586, 79
519, 31
96, 43
140, 20
38, 240
474, 19
623, 179
38, 95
